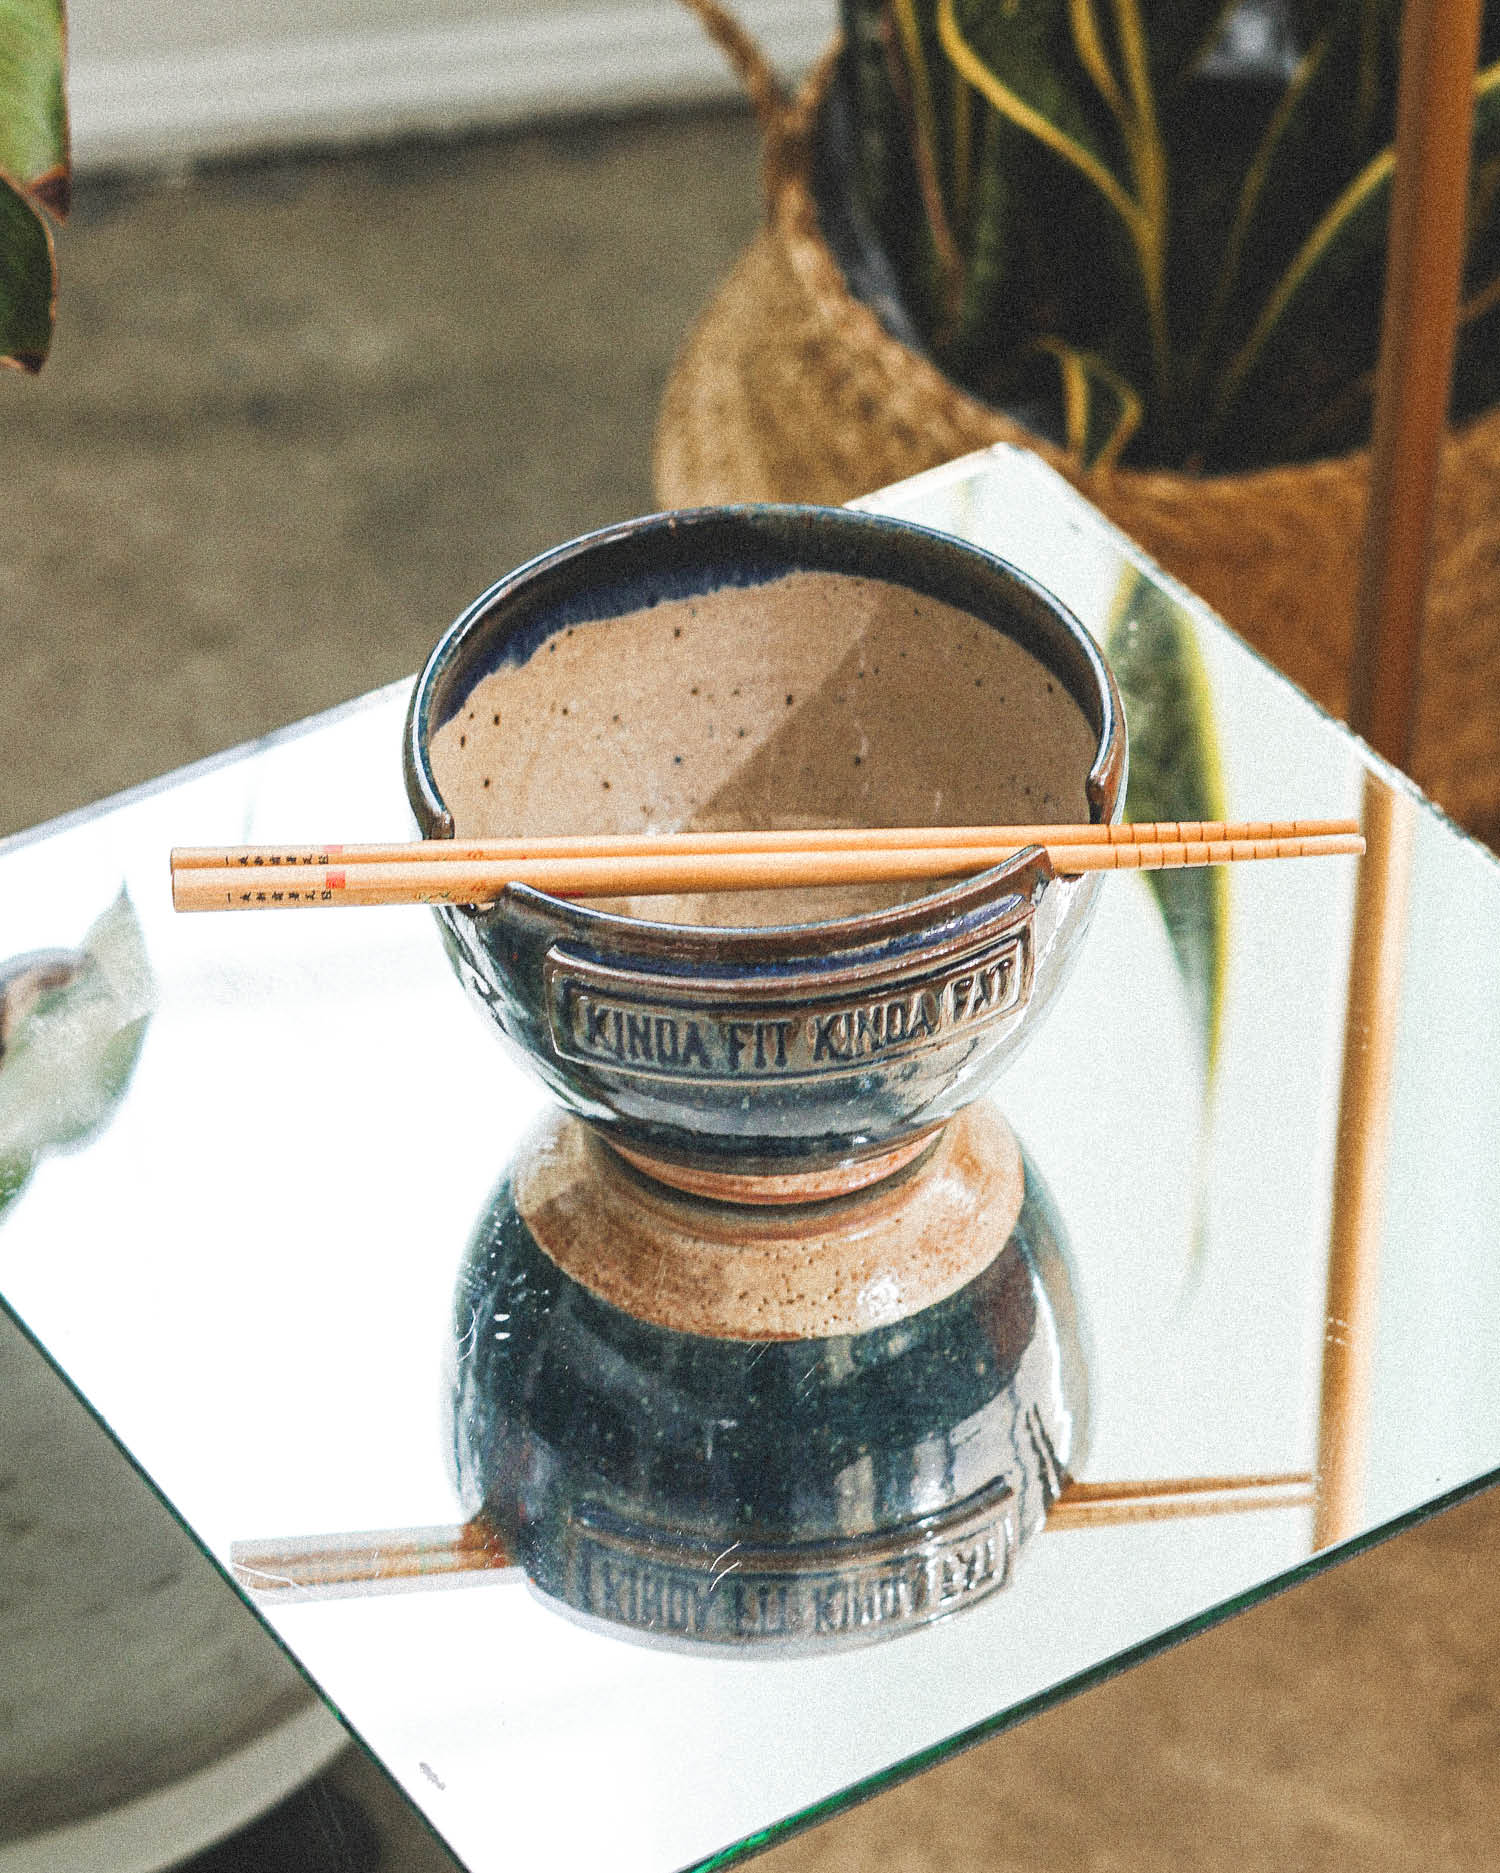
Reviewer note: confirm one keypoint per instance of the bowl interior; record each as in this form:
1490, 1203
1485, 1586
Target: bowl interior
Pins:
815, 698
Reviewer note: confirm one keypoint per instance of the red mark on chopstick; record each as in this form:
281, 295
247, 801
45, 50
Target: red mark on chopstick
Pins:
334, 880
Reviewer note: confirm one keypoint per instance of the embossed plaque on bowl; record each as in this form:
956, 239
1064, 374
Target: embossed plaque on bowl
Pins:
771, 1030
817, 1590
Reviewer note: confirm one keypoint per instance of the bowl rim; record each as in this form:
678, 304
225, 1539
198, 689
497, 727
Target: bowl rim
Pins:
760, 524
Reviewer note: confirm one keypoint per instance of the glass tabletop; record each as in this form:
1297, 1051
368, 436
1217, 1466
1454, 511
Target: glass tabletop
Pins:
241, 1180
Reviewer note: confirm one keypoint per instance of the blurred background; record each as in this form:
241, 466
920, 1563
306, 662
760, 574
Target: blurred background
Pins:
301, 408
359, 308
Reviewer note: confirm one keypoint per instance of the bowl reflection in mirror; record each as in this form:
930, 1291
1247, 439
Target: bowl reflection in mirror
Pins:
788, 1427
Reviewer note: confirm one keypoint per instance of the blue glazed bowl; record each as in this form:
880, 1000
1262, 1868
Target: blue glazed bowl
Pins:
772, 666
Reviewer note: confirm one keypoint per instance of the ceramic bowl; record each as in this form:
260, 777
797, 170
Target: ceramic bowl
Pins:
777, 667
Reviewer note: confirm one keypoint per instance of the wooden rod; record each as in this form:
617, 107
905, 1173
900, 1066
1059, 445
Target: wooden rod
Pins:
818, 839
306, 887
1103, 1505
1424, 269
1377, 947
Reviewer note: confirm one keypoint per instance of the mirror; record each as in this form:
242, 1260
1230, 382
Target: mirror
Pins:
251, 1271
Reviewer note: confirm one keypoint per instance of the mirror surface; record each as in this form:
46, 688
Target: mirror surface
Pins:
240, 1230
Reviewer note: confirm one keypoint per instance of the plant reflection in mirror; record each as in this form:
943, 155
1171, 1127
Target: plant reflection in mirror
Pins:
71, 1028
1175, 774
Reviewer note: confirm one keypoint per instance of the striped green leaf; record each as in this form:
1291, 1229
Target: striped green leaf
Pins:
1078, 86
1101, 411
1318, 327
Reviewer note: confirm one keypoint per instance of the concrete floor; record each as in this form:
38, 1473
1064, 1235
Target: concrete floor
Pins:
298, 414
1350, 1726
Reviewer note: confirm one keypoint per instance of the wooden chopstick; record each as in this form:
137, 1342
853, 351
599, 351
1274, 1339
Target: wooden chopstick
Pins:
295, 887
820, 839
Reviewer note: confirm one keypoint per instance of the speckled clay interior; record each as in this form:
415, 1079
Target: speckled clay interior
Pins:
814, 699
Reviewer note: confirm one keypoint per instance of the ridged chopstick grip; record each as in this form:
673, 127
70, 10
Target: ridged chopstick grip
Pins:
294, 887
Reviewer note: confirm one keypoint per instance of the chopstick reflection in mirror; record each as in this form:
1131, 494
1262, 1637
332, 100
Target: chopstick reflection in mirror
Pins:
356, 1564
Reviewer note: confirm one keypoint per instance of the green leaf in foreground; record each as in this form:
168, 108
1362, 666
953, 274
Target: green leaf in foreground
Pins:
34, 174
1175, 774
27, 281
33, 116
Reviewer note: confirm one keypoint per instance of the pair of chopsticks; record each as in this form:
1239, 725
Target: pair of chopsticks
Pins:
447, 871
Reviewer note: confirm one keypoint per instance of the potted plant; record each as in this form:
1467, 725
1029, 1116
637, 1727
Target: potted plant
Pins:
1148, 241
34, 174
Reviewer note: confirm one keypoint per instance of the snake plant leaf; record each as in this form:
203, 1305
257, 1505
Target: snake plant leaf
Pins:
886, 128
1319, 327
1101, 411
1251, 178
1024, 61
989, 324
1085, 103
1152, 647
1476, 369
884, 180
915, 63
1320, 132
33, 115
74, 1049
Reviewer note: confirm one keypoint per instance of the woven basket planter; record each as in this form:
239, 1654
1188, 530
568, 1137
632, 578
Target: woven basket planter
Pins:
789, 388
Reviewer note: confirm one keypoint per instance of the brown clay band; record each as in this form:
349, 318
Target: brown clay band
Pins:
841, 1180
773, 1273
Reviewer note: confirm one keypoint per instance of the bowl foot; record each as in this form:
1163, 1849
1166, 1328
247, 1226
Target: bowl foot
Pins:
839, 1180
784, 1270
